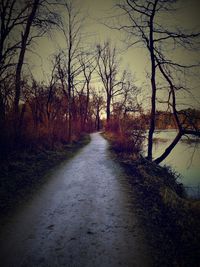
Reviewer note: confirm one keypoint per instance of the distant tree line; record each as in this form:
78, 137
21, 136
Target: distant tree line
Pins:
189, 118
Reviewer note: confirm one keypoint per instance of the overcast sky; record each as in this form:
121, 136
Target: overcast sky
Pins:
135, 58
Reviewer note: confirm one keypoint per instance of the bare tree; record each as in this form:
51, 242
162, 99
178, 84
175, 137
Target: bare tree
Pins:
145, 25
128, 100
70, 66
24, 41
189, 129
20, 23
108, 71
88, 66
12, 18
98, 105
36, 18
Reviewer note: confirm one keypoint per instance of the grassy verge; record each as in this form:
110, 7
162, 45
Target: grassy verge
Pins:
23, 172
170, 219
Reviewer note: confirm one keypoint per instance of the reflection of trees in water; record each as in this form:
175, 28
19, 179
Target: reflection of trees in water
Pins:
191, 141
157, 140
193, 145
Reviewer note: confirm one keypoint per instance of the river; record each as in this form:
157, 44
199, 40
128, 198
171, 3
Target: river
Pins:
184, 159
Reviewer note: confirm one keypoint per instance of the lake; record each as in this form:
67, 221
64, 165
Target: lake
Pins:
184, 159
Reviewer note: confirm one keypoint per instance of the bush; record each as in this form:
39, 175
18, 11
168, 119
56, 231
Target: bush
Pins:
127, 135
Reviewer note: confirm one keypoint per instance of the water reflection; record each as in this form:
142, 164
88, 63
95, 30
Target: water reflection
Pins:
184, 159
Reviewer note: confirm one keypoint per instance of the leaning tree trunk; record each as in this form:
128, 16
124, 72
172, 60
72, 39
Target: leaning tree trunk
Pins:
169, 148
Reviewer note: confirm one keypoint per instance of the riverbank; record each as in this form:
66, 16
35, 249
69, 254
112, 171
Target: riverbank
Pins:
171, 220
184, 158
25, 171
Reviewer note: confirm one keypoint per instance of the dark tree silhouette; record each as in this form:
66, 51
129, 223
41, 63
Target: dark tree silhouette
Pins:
146, 27
71, 26
108, 70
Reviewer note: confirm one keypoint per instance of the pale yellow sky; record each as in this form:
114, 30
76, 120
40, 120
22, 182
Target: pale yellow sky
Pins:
135, 58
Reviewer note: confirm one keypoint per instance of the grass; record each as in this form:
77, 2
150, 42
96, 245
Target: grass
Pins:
171, 221
25, 171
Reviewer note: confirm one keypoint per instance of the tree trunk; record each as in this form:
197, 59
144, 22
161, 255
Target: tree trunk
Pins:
87, 104
98, 120
153, 85
25, 36
169, 148
152, 117
69, 109
108, 108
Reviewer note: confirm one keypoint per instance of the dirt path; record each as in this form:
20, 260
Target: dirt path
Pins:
82, 217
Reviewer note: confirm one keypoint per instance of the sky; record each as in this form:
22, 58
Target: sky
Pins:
135, 59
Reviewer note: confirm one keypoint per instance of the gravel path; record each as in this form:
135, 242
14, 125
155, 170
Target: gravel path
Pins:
83, 216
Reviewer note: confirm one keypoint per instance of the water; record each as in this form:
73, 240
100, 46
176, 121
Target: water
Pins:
184, 159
